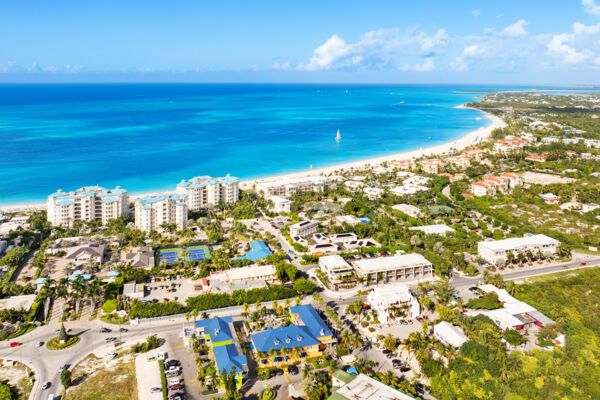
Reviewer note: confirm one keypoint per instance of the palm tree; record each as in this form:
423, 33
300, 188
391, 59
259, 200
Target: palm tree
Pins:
273, 353
307, 372
77, 290
93, 290
345, 336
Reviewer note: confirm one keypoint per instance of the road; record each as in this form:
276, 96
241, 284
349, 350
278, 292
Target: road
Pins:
45, 363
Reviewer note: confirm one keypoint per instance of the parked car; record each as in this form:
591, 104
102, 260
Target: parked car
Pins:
123, 330
386, 351
174, 381
396, 363
176, 396
105, 330
293, 369
46, 385
179, 386
14, 344
172, 362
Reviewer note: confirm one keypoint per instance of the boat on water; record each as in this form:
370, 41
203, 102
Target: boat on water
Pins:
338, 137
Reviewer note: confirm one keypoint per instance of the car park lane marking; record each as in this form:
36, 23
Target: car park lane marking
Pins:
287, 378
177, 347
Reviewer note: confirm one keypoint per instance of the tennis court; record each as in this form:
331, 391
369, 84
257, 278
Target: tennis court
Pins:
193, 253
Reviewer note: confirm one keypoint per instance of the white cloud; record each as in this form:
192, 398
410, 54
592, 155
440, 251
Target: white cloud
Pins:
591, 7
284, 66
581, 29
427, 65
515, 30
475, 13
561, 46
376, 49
470, 52
430, 43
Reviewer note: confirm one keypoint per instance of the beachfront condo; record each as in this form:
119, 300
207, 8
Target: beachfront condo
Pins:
286, 187
204, 191
151, 212
306, 336
87, 204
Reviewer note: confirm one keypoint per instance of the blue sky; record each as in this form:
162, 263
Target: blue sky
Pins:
537, 42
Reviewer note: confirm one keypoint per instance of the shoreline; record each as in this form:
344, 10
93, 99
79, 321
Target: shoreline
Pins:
462, 142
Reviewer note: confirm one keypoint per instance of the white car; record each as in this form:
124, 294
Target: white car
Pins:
39, 344
46, 385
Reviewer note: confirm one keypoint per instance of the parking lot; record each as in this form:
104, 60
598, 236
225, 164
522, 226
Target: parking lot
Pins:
176, 289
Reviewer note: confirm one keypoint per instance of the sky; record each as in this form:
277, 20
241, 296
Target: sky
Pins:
505, 42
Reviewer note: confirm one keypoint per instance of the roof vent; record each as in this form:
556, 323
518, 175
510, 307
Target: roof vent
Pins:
322, 331
300, 338
288, 340
217, 331
277, 341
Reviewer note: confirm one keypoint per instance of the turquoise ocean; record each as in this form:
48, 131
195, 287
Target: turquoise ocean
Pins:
147, 137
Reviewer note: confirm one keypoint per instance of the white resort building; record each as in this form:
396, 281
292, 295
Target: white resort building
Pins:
280, 204
384, 299
304, 228
494, 251
288, 186
204, 191
153, 211
335, 267
87, 204
394, 268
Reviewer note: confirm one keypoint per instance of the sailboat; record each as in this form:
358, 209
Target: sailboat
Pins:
338, 137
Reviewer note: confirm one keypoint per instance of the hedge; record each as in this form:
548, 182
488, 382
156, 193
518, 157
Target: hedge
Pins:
238, 297
149, 310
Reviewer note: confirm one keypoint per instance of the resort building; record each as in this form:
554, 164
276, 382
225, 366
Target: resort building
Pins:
288, 186
474, 154
409, 210
280, 204
358, 243
431, 166
514, 314
204, 191
436, 229
405, 165
303, 228
139, 257
348, 219
536, 157
264, 273
306, 336
325, 248
494, 251
460, 162
85, 253
373, 193
219, 335
391, 300
348, 386
153, 211
510, 145
87, 204
134, 290
449, 334
394, 268
335, 267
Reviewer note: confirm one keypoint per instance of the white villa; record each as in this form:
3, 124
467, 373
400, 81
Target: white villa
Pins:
204, 191
494, 251
383, 298
280, 204
153, 211
87, 204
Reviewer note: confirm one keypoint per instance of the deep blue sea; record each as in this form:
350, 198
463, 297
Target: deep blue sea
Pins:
150, 136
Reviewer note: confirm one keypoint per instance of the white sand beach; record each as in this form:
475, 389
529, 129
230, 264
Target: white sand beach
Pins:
469, 139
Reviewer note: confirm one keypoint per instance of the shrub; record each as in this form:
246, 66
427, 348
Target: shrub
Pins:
109, 306
304, 286
513, 337
149, 310
489, 302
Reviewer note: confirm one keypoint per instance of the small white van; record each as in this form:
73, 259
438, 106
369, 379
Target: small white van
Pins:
174, 381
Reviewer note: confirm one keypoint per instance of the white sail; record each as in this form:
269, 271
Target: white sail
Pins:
338, 137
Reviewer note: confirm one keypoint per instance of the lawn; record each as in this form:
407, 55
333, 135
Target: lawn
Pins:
18, 377
96, 379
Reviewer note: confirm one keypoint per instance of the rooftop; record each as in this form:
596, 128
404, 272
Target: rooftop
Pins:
227, 357
284, 336
515, 243
395, 261
306, 315
436, 229
363, 387
217, 328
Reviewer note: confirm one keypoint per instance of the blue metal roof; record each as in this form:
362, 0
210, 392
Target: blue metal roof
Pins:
284, 336
227, 357
311, 319
201, 181
258, 252
216, 328
156, 199
65, 202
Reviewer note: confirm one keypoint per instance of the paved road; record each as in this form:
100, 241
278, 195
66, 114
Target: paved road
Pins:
591, 261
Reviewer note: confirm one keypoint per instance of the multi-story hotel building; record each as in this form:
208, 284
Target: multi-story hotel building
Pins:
204, 191
153, 211
497, 250
87, 204
394, 268
288, 186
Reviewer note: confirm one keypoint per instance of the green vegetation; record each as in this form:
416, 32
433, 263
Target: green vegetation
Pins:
481, 369
239, 297
489, 302
152, 342
117, 382
65, 378
304, 286
163, 379
55, 344
149, 310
